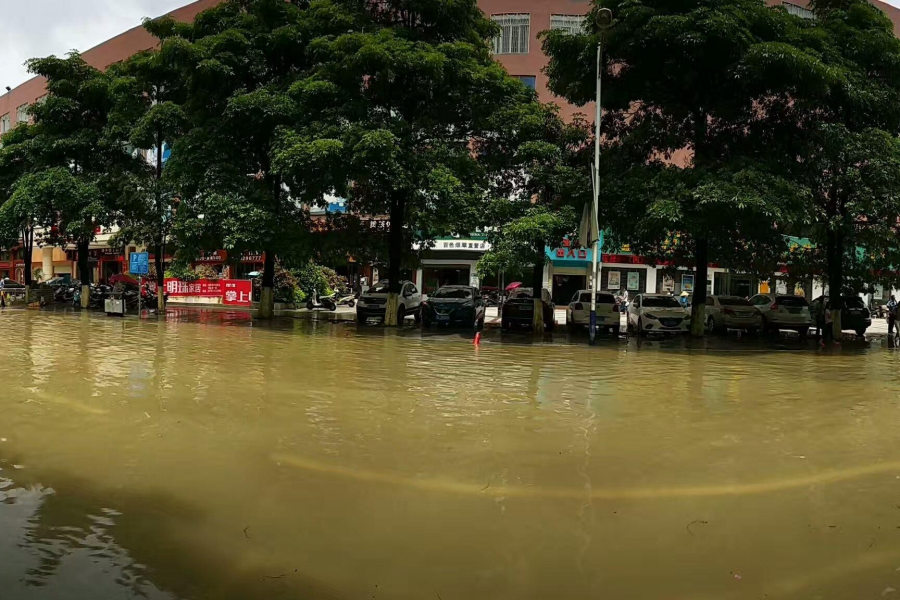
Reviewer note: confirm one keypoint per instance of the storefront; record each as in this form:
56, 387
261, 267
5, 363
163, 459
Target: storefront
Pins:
106, 262
568, 270
451, 261
250, 262
216, 260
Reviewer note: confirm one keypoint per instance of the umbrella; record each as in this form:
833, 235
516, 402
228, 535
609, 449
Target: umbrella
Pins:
123, 278
513, 285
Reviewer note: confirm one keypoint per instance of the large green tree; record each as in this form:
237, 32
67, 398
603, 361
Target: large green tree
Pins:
237, 63
149, 91
538, 169
682, 180
79, 165
832, 117
400, 93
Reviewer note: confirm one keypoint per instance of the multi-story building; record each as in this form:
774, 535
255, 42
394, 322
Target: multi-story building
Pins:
518, 48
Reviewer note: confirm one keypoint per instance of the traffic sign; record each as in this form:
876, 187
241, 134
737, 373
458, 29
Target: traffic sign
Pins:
140, 263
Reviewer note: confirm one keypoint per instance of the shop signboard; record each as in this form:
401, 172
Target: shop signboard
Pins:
202, 287
238, 292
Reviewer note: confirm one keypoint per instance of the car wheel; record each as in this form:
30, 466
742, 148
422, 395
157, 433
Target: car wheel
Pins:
360, 319
570, 326
504, 325
803, 331
418, 316
640, 327
401, 315
613, 330
309, 305
710, 325
861, 332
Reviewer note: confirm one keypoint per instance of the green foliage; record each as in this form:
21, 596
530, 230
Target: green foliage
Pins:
521, 243
179, 269
205, 271
392, 96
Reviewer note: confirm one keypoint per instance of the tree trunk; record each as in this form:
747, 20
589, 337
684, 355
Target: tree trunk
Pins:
267, 293
834, 243
698, 306
27, 251
395, 261
84, 272
537, 284
160, 276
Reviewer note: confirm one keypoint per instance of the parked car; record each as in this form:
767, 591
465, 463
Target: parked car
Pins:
578, 313
854, 316
658, 313
783, 312
373, 303
518, 309
454, 305
731, 312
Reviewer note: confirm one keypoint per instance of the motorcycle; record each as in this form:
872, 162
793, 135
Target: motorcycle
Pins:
325, 302
98, 294
151, 299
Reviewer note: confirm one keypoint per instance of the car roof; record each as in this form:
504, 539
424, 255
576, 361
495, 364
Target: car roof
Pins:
598, 291
457, 287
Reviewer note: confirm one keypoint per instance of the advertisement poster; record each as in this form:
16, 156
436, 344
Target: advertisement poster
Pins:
634, 280
687, 283
238, 292
668, 284
614, 280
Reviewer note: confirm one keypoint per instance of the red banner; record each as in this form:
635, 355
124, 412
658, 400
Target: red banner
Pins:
202, 287
238, 292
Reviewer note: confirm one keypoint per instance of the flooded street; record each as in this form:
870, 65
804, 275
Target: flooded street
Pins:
207, 457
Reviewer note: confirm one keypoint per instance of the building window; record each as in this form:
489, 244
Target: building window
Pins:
799, 11
5, 124
22, 114
515, 33
527, 80
571, 24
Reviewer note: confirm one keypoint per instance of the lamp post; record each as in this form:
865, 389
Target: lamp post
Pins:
604, 20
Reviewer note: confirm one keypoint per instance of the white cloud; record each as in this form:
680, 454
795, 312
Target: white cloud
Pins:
36, 28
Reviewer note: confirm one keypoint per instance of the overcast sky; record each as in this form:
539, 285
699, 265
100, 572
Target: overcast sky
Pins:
33, 28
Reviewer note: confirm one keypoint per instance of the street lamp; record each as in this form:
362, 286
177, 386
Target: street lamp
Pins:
604, 21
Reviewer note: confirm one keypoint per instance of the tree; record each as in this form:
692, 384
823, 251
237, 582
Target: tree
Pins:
79, 165
833, 111
401, 91
538, 168
673, 89
20, 219
238, 61
148, 94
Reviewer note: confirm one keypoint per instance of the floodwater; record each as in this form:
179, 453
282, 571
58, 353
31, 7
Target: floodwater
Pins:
206, 457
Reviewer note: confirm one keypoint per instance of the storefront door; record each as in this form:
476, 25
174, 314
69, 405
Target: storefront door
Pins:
435, 277
565, 286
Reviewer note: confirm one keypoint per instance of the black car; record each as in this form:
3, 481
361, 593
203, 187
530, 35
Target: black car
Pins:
454, 305
854, 316
518, 310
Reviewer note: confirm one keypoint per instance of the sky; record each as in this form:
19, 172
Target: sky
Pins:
34, 28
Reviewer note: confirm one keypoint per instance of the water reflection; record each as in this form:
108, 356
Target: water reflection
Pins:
209, 457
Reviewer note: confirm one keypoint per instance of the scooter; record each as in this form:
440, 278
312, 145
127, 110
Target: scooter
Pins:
349, 300
325, 302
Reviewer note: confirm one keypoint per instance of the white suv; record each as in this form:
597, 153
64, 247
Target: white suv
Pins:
373, 303
578, 313
658, 312
783, 312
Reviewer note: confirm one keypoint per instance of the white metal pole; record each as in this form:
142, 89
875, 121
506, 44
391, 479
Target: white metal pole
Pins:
595, 284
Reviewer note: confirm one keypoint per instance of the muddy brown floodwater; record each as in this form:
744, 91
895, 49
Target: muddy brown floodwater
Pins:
209, 458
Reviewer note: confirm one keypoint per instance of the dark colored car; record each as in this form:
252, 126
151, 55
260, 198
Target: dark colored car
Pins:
518, 310
454, 305
854, 316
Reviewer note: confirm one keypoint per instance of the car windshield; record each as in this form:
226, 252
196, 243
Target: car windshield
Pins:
453, 293
854, 302
661, 302
601, 298
733, 301
792, 301
522, 293
379, 288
